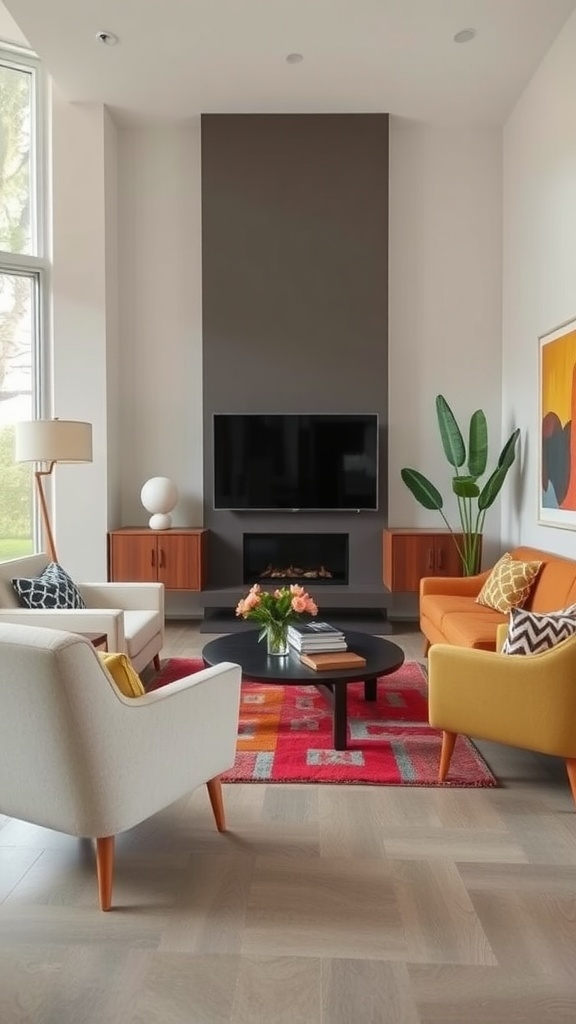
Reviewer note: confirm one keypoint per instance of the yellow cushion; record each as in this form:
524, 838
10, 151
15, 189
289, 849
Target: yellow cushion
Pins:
509, 584
124, 675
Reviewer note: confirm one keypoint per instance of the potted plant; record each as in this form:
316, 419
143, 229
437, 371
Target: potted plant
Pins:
473, 499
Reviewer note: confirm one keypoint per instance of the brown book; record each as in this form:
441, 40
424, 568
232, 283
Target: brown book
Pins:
333, 660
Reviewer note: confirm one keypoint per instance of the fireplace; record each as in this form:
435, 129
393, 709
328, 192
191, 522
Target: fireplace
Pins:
305, 558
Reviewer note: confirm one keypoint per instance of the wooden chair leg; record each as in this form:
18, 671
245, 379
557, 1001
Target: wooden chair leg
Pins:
105, 870
571, 769
156, 662
448, 741
426, 647
217, 802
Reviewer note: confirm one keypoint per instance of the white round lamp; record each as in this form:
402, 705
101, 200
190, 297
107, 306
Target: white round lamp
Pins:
159, 495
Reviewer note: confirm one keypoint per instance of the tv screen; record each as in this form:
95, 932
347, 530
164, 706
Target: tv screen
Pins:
314, 462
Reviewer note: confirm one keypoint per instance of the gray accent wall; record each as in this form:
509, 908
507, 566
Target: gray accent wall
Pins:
295, 299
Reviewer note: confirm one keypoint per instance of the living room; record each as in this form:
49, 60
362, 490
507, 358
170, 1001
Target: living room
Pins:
479, 258
481, 251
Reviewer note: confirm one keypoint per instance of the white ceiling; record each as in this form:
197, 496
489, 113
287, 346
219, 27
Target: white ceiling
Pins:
178, 58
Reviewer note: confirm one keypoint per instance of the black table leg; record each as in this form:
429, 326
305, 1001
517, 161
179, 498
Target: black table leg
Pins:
370, 686
340, 715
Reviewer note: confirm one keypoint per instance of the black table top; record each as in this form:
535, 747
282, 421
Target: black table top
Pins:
382, 657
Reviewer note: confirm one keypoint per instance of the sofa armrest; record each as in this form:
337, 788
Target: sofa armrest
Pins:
458, 586
73, 620
128, 596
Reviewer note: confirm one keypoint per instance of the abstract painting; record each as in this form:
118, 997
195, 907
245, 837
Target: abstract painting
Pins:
557, 503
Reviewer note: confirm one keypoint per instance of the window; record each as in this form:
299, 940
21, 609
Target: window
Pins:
22, 271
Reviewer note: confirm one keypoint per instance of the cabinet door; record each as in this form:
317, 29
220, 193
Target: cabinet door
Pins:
408, 556
447, 560
133, 558
179, 561
413, 556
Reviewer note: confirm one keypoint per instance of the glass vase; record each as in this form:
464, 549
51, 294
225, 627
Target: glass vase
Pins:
277, 639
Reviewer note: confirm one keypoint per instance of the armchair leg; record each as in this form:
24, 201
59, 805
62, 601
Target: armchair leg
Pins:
571, 769
105, 870
215, 793
156, 662
448, 741
426, 647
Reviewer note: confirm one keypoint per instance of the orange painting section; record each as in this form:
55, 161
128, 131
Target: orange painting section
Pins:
559, 396
558, 359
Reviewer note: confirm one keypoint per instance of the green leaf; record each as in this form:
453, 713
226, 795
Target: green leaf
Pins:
492, 488
452, 440
465, 486
424, 491
508, 453
478, 444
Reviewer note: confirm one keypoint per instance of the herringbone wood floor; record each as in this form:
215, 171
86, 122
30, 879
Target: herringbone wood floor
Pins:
321, 905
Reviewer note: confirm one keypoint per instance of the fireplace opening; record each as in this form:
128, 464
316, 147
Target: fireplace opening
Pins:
305, 558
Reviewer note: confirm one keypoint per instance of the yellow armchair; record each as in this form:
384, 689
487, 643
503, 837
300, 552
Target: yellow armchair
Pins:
524, 700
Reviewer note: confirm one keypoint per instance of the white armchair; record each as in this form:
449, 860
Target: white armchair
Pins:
79, 757
131, 614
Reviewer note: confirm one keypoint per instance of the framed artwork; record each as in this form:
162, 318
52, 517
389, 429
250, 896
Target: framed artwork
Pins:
557, 419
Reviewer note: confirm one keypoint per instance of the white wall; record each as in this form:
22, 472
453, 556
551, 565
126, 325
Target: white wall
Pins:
445, 303
79, 329
539, 265
160, 317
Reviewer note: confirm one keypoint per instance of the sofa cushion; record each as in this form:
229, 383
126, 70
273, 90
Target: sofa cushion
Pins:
509, 584
123, 673
53, 588
532, 632
475, 631
438, 607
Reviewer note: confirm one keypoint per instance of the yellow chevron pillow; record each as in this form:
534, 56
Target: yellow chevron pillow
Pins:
509, 584
123, 673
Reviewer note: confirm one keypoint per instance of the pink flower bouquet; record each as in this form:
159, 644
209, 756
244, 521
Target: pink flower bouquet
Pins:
275, 610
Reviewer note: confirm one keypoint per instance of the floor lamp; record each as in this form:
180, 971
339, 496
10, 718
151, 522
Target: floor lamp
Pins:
47, 442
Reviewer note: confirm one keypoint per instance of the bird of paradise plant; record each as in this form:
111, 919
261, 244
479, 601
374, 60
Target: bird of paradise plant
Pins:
473, 500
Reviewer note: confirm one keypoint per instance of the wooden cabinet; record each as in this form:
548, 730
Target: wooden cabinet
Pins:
176, 557
409, 554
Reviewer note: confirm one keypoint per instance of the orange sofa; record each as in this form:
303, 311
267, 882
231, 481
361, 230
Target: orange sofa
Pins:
449, 613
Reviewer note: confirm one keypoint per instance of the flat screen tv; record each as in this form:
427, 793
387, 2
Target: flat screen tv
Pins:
297, 462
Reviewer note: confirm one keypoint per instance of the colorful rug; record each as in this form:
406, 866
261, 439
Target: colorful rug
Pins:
285, 735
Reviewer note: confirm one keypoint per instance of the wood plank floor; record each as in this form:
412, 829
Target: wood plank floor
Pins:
321, 905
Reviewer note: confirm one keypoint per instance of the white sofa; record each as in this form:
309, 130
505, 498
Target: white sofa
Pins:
131, 614
79, 757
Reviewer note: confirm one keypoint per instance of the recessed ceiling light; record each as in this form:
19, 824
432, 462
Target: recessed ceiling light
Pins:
108, 38
294, 58
465, 35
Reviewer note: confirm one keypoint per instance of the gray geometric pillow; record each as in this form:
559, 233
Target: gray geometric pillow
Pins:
532, 632
53, 588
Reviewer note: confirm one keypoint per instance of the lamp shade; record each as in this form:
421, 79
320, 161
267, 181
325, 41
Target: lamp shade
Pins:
53, 441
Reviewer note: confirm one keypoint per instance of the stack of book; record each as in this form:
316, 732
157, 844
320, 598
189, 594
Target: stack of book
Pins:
314, 637
323, 647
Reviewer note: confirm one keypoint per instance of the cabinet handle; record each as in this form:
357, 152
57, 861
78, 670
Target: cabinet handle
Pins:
430, 558
152, 558
162, 562
440, 559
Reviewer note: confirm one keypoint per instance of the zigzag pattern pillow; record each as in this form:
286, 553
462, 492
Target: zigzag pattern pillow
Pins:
532, 632
53, 588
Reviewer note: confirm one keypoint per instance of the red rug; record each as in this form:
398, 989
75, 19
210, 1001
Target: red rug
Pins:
285, 735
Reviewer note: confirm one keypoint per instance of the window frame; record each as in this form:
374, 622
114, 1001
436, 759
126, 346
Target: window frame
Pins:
36, 264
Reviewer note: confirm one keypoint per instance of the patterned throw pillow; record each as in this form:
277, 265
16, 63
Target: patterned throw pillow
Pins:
53, 588
532, 632
509, 584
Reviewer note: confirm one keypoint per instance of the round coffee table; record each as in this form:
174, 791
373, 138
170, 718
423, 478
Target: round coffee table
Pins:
382, 657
